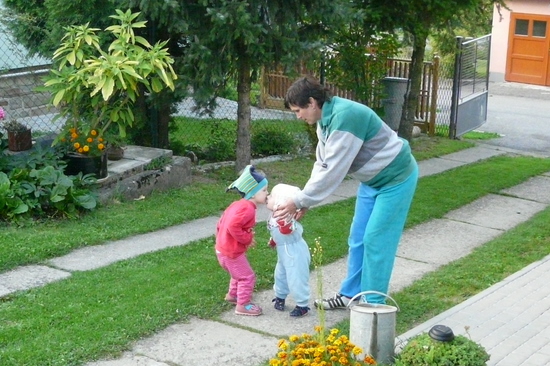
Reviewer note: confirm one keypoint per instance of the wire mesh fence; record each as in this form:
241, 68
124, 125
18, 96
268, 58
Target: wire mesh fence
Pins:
444, 96
190, 131
20, 75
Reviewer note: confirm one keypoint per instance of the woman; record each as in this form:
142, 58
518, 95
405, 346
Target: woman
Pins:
354, 140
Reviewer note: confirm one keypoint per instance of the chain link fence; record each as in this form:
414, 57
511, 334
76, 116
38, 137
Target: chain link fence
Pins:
20, 75
444, 96
191, 132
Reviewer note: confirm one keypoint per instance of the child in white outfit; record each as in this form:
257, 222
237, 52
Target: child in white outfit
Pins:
293, 256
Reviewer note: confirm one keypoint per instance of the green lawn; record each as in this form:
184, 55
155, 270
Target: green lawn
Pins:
99, 313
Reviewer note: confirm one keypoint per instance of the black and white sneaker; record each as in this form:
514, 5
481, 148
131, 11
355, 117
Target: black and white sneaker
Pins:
338, 301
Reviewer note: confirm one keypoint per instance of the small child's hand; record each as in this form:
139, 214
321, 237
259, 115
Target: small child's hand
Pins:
272, 243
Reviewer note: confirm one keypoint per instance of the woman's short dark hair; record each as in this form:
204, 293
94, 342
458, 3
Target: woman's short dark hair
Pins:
304, 88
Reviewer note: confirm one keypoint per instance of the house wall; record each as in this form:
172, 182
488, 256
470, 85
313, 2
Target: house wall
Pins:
501, 28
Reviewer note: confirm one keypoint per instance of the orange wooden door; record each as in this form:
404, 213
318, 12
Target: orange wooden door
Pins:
528, 49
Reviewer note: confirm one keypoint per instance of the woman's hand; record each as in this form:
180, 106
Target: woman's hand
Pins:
288, 210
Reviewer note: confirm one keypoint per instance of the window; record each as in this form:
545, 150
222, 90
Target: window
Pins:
539, 28
522, 27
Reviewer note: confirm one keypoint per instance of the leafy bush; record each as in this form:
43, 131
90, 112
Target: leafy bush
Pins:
270, 140
34, 185
422, 350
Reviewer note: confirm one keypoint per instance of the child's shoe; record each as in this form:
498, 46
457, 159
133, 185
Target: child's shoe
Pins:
230, 299
248, 309
279, 304
299, 311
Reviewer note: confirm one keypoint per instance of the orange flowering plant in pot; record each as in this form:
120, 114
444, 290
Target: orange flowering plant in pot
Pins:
83, 142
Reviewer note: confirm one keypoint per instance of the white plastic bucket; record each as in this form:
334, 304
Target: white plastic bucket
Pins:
372, 327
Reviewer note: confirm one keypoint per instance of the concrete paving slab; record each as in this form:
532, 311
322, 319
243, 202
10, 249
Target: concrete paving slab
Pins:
102, 255
129, 359
184, 344
121, 166
497, 212
279, 323
474, 154
406, 271
142, 154
436, 166
442, 241
535, 189
25, 278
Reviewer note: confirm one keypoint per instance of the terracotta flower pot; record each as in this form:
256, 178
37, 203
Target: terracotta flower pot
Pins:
19, 140
115, 153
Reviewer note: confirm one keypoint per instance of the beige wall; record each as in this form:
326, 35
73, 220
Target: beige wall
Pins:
501, 26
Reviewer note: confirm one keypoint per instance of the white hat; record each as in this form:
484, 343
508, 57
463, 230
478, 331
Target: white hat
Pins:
281, 192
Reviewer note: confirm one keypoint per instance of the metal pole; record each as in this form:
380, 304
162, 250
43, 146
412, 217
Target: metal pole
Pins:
456, 88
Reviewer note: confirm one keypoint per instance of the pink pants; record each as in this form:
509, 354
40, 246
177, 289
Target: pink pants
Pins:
243, 277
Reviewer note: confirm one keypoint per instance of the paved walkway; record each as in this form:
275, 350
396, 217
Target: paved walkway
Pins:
510, 319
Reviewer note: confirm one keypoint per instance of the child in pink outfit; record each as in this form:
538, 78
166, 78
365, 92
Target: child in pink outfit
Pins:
235, 234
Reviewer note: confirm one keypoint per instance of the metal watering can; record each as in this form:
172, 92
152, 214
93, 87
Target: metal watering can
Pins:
372, 327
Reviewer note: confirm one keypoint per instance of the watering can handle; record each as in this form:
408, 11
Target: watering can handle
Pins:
374, 292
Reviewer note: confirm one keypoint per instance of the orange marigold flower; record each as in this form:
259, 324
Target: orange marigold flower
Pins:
369, 360
72, 130
80, 150
100, 139
86, 148
74, 135
76, 145
93, 132
89, 139
101, 146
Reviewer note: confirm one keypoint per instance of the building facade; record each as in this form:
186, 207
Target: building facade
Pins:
520, 43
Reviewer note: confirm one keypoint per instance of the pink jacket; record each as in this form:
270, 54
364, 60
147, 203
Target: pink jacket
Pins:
234, 232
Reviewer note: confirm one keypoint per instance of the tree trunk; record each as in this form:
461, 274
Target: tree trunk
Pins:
413, 90
243, 114
163, 121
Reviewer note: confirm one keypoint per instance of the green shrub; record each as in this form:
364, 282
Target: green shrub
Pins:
271, 140
221, 146
422, 350
33, 185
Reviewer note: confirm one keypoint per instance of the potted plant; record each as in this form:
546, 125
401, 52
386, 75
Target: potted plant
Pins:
115, 147
95, 86
19, 135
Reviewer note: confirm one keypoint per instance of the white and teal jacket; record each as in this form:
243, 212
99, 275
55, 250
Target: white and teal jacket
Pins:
354, 140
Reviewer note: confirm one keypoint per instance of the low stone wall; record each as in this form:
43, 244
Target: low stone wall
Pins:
173, 175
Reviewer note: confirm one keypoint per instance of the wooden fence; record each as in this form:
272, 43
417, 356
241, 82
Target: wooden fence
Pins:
275, 84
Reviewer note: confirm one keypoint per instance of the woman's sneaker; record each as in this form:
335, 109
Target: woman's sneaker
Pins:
299, 311
279, 304
248, 309
338, 301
